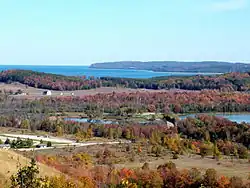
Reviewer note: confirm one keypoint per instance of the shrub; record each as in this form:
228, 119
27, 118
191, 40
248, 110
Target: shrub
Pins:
205, 150
7, 141
149, 179
216, 152
49, 144
210, 178
236, 182
242, 152
175, 156
145, 166
156, 150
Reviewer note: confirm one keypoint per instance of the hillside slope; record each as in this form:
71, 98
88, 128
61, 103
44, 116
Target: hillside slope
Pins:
10, 159
176, 66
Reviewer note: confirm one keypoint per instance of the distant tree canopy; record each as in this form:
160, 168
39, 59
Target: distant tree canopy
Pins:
176, 66
212, 128
224, 82
124, 104
49, 81
164, 102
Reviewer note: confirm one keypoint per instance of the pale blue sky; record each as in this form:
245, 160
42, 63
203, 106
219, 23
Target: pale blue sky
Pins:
87, 31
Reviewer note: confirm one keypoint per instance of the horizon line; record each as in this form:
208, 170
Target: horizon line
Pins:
122, 61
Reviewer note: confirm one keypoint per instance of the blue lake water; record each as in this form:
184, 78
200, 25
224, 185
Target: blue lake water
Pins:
239, 118
244, 117
85, 70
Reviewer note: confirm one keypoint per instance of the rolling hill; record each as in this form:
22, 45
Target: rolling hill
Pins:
9, 161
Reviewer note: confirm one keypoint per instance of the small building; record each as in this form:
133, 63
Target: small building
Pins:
47, 92
41, 146
72, 94
4, 146
61, 93
170, 124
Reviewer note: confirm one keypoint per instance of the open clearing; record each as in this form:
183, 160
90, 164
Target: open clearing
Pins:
122, 158
57, 142
223, 167
35, 92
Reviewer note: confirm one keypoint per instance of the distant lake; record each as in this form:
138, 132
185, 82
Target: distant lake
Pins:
85, 70
239, 118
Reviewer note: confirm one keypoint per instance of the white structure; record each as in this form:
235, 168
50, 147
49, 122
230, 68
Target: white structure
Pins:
72, 94
48, 93
61, 94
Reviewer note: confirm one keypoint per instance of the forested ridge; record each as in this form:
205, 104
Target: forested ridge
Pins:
49, 81
225, 82
177, 102
129, 103
176, 66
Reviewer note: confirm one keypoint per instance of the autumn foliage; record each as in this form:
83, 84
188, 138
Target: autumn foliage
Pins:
124, 104
224, 82
166, 175
49, 81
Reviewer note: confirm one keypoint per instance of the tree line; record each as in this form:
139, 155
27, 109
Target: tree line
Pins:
224, 82
123, 104
127, 104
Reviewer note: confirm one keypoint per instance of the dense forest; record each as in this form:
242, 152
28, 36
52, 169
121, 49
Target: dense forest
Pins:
224, 82
165, 102
202, 128
48, 81
124, 104
176, 66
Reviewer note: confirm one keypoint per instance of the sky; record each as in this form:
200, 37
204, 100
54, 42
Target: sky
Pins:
81, 32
